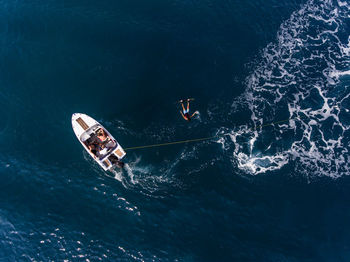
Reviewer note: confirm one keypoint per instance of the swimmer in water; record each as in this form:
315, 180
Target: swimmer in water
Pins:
185, 113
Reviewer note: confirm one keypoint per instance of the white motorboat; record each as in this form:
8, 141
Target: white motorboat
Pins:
97, 141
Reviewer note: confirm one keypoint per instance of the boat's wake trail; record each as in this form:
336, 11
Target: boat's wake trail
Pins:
302, 77
117, 174
146, 179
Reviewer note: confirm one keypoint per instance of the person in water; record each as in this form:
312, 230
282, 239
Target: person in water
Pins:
185, 113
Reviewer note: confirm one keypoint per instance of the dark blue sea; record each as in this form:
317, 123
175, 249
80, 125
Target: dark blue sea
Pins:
271, 82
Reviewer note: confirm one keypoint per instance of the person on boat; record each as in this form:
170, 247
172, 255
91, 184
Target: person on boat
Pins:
104, 139
101, 134
94, 149
185, 113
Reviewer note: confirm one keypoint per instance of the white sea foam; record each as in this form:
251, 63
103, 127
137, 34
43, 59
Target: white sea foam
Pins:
299, 77
118, 175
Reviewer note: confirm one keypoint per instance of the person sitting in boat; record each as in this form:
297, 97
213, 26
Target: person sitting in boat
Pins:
105, 140
101, 134
185, 113
94, 149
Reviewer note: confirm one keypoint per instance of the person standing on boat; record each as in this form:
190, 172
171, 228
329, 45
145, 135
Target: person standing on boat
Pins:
185, 113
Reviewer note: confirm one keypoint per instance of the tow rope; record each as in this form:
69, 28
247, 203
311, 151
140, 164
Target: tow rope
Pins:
204, 138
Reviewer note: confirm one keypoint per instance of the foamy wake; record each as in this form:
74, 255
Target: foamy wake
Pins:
300, 78
127, 175
145, 178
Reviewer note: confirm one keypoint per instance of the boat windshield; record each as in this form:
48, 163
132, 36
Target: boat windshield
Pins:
88, 133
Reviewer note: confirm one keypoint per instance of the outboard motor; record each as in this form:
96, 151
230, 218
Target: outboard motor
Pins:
119, 164
115, 161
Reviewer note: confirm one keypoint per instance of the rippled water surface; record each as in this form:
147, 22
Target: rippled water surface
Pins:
270, 78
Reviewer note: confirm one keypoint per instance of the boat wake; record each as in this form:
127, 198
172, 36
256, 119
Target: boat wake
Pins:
302, 77
146, 179
128, 175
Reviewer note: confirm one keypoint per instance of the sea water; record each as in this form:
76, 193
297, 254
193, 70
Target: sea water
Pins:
273, 193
